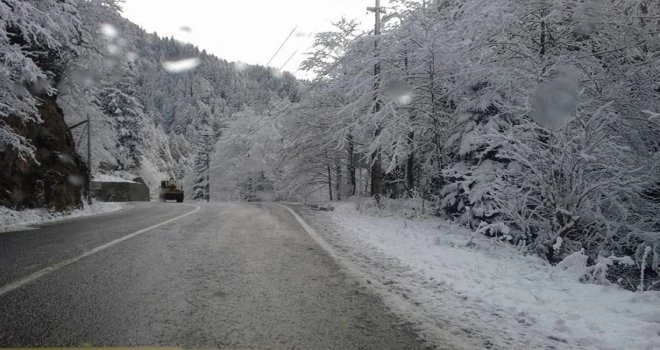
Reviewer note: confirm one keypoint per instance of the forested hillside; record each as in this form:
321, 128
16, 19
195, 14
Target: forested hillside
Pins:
156, 105
535, 122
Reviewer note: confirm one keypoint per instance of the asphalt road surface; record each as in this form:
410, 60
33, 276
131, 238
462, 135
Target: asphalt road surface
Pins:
217, 276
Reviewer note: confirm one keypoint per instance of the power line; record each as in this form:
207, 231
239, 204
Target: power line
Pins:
281, 46
313, 85
82, 133
289, 59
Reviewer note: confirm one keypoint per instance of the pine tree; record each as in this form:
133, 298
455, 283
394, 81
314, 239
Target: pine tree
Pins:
118, 101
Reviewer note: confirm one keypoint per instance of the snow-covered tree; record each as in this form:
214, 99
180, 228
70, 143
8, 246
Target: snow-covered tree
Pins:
119, 102
488, 109
245, 163
36, 39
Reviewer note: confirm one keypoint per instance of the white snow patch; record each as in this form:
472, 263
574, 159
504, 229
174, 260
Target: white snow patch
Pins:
14, 220
558, 244
489, 289
109, 178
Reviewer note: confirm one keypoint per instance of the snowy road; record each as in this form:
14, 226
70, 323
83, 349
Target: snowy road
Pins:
225, 276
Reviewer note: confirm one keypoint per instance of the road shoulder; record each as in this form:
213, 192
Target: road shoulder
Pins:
435, 333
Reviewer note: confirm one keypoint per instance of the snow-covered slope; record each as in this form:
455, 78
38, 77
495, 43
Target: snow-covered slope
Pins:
12, 220
110, 178
487, 290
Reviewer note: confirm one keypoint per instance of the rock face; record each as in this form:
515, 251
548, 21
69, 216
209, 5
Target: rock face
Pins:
55, 178
120, 191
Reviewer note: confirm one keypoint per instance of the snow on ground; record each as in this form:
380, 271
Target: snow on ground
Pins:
12, 220
486, 290
110, 178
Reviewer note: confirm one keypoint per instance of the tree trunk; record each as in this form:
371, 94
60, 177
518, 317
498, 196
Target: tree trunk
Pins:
376, 174
543, 36
367, 180
338, 180
376, 158
351, 165
410, 166
329, 181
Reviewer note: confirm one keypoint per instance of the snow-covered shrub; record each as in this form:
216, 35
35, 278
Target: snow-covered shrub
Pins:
467, 192
574, 265
578, 187
410, 208
578, 267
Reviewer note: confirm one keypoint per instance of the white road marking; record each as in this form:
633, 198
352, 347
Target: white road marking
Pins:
43, 272
312, 233
431, 331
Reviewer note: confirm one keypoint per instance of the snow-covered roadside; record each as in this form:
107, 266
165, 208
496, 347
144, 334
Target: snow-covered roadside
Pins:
12, 220
111, 178
488, 291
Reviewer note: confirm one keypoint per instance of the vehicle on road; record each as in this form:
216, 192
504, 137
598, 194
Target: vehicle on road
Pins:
171, 190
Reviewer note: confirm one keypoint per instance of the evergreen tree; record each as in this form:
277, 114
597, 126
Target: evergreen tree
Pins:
118, 101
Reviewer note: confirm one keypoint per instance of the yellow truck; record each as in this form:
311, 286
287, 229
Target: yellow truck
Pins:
171, 190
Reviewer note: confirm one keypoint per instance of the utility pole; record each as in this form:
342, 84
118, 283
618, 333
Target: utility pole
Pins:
89, 157
208, 176
376, 158
89, 161
207, 151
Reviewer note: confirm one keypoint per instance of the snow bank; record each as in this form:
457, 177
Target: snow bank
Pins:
109, 178
488, 289
12, 220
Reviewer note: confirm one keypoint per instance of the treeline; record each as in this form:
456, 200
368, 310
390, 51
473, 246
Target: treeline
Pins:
533, 122
153, 119
147, 118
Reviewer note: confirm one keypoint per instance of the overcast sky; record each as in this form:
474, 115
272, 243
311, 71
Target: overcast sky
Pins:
248, 31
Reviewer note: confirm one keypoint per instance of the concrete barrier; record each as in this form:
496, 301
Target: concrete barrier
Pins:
120, 191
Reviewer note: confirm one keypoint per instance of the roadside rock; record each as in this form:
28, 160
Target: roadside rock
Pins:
55, 178
121, 191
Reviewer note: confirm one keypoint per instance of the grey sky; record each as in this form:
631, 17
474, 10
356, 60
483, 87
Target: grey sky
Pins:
249, 31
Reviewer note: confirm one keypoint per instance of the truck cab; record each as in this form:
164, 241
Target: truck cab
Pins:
171, 190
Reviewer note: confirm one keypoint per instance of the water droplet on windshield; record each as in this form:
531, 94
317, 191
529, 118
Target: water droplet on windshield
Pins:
132, 56
65, 158
277, 73
240, 66
398, 90
181, 66
404, 99
556, 99
184, 35
114, 50
109, 31
76, 180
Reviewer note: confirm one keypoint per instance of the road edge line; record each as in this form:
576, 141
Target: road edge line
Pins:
47, 270
425, 326
312, 233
